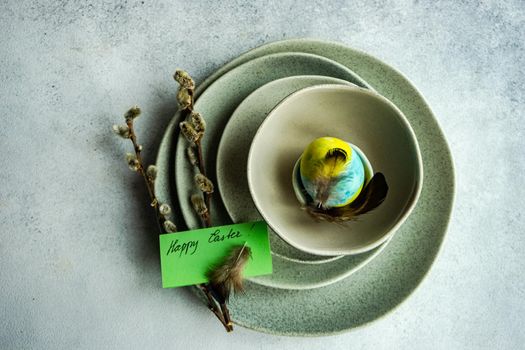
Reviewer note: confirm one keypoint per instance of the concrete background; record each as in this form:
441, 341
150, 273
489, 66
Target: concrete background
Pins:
78, 262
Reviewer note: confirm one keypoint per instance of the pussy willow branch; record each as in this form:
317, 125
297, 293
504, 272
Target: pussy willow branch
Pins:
185, 99
202, 169
212, 305
221, 315
150, 184
138, 166
200, 162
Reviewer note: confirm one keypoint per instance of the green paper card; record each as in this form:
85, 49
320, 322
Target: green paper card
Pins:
187, 257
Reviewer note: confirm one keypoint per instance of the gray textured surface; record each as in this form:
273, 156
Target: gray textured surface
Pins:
78, 260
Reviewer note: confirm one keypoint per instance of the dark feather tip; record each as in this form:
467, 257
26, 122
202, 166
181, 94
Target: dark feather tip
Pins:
369, 199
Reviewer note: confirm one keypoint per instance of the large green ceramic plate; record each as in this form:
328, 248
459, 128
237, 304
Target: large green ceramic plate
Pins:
392, 276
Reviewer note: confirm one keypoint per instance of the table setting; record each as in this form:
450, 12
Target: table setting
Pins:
308, 290
315, 175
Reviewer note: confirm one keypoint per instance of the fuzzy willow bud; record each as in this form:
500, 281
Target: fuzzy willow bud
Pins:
169, 226
122, 131
198, 205
164, 209
192, 157
184, 79
203, 183
184, 98
151, 172
189, 132
132, 113
198, 122
132, 161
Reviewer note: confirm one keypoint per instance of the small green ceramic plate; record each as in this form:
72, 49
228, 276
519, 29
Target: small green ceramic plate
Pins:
391, 277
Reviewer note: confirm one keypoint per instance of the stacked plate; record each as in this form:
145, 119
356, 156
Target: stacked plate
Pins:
309, 294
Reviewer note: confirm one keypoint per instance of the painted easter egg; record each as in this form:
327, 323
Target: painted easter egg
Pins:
332, 172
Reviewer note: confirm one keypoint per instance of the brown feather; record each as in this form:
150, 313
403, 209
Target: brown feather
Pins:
323, 184
370, 198
228, 277
322, 187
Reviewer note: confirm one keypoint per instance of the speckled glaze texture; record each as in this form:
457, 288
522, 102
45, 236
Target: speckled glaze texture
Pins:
390, 278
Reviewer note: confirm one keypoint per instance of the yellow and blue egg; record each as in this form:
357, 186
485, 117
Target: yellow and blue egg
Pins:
347, 175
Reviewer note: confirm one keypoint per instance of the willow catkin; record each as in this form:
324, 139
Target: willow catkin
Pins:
192, 157
133, 113
189, 132
122, 131
198, 205
198, 122
132, 161
184, 79
151, 172
184, 98
203, 183
169, 226
164, 209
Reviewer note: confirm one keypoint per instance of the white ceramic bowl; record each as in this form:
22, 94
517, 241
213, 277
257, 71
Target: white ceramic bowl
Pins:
356, 115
